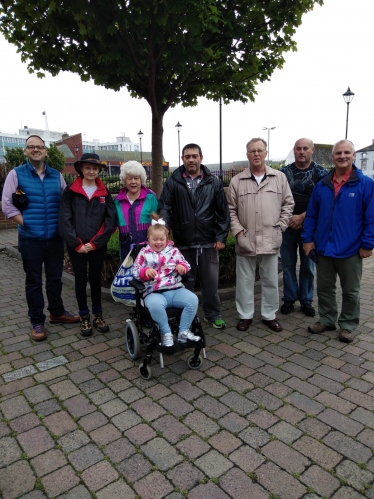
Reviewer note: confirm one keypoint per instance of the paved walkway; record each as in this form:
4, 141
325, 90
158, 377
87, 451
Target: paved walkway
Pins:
268, 416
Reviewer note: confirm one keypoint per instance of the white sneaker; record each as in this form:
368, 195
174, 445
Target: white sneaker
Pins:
183, 336
167, 340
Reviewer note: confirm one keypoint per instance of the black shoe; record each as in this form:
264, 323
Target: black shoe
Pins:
287, 307
308, 310
86, 329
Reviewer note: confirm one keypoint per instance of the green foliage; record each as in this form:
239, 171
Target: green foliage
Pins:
227, 260
55, 158
164, 51
14, 157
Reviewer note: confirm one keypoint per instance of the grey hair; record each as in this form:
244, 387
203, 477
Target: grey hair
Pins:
133, 168
342, 142
257, 139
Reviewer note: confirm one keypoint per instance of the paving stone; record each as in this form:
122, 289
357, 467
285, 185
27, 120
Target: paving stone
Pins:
153, 486
238, 485
16, 479
105, 434
207, 490
285, 432
117, 490
263, 398
171, 429
159, 391
330, 400
91, 386
48, 462
35, 441
85, 457
193, 447
238, 403
65, 389
35, 494
130, 395
360, 385
250, 361
185, 476
320, 481
79, 492
126, 420
255, 437
247, 458
333, 374
102, 396
367, 438
225, 442
233, 423
59, 481
348, 447
37, 394
274, 373
314, 428
148, 409
113, 407
99, 475
280, 483
358, 398
134, 468
161, 453
60, 423
140, 434
213, 387
317, 452
19, 373
290, 414
353, 475
15, 407
263, 419
93, 421
341, 422
295, 370
285, 457
260, 380
176, 405
51, 374
4, 429
213, 464
79, 406
347, 493
236, 383
9, 451
81, 375
47, 407
305, 403
303, 387
119, 450
50, 363
73, 441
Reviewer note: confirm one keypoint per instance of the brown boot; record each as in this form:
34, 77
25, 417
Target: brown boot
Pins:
346, 336
86, 329
319, 328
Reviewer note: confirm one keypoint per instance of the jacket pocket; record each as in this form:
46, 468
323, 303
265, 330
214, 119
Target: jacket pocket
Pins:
277, 238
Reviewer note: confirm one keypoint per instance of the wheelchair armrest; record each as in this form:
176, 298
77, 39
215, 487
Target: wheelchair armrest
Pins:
139, 285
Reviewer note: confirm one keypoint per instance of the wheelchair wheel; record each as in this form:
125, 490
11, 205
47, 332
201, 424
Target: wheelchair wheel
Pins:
145, 371
194, 364
132, 340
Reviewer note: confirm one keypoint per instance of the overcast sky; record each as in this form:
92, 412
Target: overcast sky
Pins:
304, 99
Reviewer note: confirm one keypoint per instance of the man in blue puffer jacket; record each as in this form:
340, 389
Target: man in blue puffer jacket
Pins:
39, 241
339, 227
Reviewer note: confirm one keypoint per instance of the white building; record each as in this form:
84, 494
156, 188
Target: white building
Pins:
365, 160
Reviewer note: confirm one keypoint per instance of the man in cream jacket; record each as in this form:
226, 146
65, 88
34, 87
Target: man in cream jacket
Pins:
261, 204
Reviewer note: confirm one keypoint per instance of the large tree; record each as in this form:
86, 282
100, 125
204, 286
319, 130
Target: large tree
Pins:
55, 158
14, 156
165, 51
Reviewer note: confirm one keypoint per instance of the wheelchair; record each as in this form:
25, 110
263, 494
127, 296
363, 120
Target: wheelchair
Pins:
141, 329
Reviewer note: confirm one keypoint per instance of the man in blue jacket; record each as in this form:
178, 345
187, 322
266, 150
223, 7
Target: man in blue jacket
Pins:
38, 238
339, 226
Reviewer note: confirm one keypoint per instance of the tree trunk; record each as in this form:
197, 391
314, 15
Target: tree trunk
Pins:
157, 170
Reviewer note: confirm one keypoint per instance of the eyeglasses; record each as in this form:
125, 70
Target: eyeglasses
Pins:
39, 148
256, 151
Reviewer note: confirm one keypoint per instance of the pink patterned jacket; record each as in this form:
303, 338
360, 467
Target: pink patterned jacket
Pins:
164, 262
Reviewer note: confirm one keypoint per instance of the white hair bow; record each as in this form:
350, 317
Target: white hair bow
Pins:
160, 221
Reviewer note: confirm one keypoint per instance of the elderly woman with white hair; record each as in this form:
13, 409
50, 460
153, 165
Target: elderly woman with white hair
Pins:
134, 205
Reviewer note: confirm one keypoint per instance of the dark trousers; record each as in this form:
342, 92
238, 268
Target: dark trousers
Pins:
94, 260
205, 261
35, 253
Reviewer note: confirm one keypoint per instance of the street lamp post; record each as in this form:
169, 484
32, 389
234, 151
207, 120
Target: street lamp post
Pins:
76, 150
178, 126
348, 98
140, 135
268, 129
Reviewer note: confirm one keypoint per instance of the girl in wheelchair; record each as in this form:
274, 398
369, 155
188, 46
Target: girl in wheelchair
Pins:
160, 266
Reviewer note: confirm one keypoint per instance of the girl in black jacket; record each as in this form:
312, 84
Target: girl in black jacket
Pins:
87, 217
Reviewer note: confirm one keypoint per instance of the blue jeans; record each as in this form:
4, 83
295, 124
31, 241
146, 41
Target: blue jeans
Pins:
34, 253
302, 291
157, 303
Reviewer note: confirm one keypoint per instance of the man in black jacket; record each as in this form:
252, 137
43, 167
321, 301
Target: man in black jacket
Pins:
193, 204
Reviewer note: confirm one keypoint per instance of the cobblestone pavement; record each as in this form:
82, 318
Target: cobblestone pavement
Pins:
268, 415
